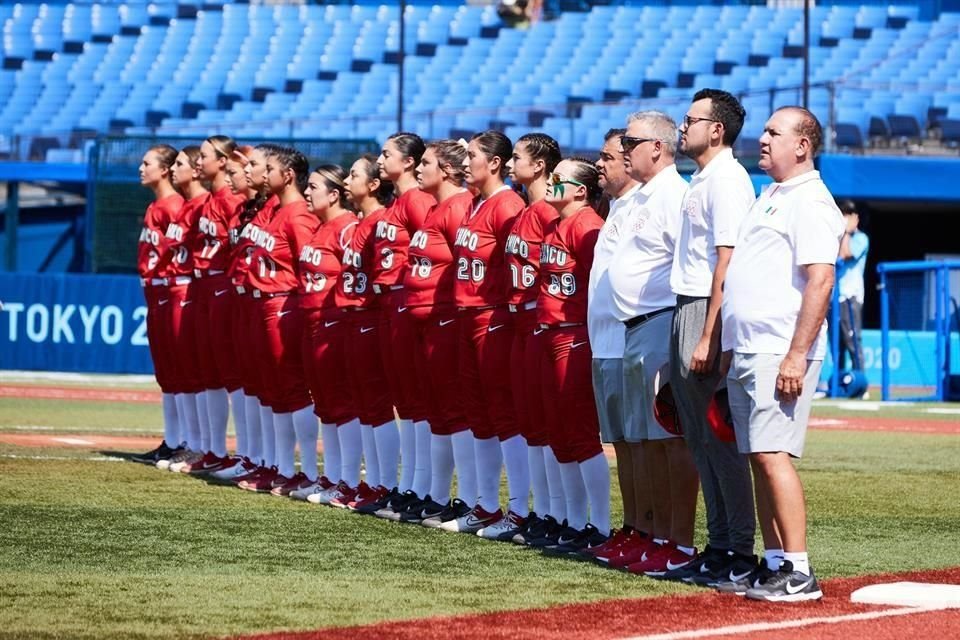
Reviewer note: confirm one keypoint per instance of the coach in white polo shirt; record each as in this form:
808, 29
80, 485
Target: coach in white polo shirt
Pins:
719, 197
640, 280
615, 407
775, 300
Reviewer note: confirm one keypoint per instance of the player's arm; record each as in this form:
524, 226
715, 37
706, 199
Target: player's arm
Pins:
813, 311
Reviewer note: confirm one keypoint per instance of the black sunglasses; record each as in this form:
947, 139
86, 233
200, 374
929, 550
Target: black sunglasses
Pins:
629, 143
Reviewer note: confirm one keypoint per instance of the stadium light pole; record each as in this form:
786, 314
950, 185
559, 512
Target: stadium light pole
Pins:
806, 54
400, 59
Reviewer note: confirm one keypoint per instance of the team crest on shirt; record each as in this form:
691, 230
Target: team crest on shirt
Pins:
691, 207
640, 220
612, 231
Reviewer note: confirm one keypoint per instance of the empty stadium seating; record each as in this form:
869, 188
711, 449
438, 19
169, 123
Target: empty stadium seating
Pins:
878, 72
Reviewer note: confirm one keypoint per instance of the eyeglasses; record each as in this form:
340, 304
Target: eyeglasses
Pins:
629, 143
688, 121
556, 178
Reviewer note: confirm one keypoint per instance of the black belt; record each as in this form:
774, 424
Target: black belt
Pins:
380, 289
633, 322
257, 293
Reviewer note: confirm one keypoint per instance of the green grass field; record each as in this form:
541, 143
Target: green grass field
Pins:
95, 549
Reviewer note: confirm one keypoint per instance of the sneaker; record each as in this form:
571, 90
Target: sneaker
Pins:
474, 520
532, 528
252, 474
734, 567
366, 497
618, 538
209, 462
261, 481
233, 468
325, 496
163, 452
297, 482
549, 532
663, 558
413, 511
505, 528
371, 508
304, 492
395, 504
589, 536
164, 463
740, 584
343, 500
637, 547
187, 458
787, 585
708, 565
457, 508
432, 509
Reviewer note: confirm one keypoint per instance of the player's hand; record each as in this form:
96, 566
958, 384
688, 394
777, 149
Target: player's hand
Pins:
702, 356
790, 379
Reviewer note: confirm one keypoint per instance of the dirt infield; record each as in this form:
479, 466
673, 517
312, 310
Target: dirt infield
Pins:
700, 615
83, 440
45, 392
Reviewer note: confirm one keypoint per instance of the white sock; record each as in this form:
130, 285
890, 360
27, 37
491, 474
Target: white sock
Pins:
218, 412
370, 460
465, 462
332, 466
307, 429
575, 494
489, 463
388, 452
800, 561
254, 442
518, 474
187, 410
441, 467
558, 503
596, 479
238, 408
201, 401
408, 454
538, 480
421, 473
286, 450
171, 420
268, 442
351, 451
773, 558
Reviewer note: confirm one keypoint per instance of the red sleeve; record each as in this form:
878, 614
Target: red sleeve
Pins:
416, 211
457, 210
503, 218
588, 231
300, 229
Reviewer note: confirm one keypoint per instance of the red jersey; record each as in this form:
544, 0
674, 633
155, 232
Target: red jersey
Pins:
358, 260
177, 260
523, 250
210, 241
242, 243
430, 274
274, 261
152, 244
566, 256
481, 277
321, 263
403, 218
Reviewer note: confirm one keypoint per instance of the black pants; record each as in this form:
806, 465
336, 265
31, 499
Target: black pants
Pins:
851, 328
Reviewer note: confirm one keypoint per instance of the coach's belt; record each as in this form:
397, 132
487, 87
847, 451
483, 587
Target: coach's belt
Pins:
526, 306
386, 288
634, 322
561, 325
257, 293
199, 273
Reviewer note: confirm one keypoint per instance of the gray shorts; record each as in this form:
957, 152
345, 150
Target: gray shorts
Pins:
763, 423
646, 368
616, 408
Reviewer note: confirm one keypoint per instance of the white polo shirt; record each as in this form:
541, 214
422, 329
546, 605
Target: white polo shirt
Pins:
792, 224
640, 270
719, 197
607, 334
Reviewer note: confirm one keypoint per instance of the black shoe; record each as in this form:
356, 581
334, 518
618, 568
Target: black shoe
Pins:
740, 584
736, 566
587, 537
382, 503
431, 509
413, 511
163, 452
787, 585
556, 533
399, 504
704, 562
533, 522
457, 508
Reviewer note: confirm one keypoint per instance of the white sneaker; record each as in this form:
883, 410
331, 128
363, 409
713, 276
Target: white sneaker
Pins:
177, 463
304, 493
503, 529
476, 519
237, 469
327, 495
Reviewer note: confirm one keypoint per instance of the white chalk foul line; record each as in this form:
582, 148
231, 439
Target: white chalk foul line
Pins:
785, 624
74, 441
13, 456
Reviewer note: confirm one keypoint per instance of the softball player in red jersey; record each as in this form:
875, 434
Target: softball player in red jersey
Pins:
325, 331
482, 288
432, 314
178, 269
155, 173
566, 256
398, 161
364, 365
272, 278
534, 156
219, 372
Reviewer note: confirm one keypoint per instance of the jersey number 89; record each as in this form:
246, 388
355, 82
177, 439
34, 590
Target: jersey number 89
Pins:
564, 283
